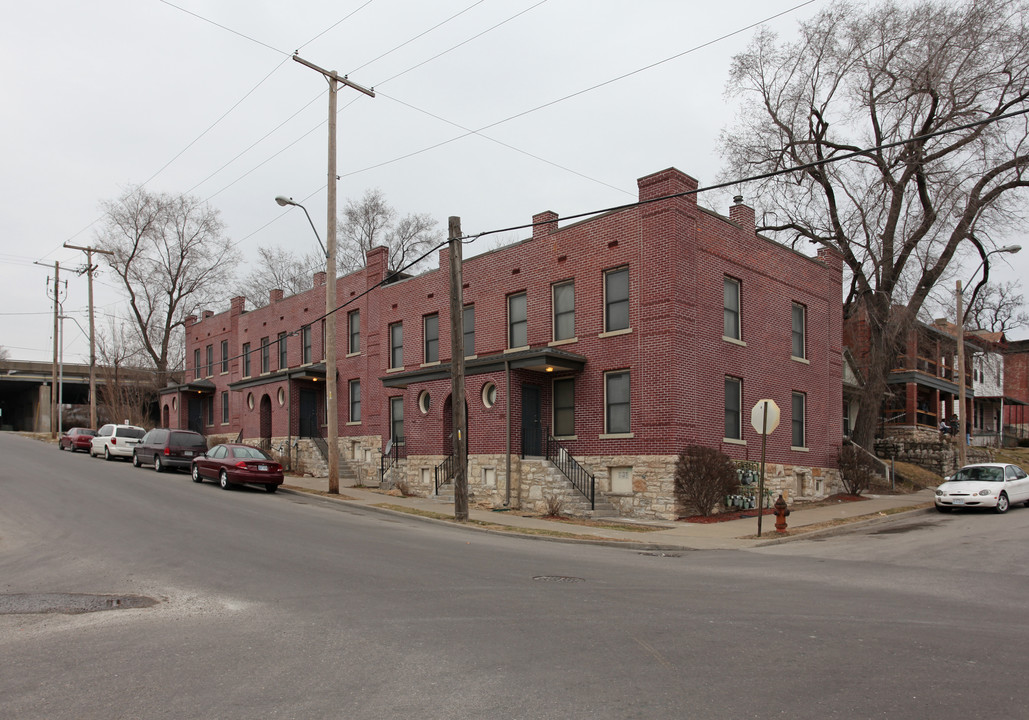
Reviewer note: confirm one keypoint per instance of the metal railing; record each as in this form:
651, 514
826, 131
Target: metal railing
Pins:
581, 479
391, 456
445, 471
323, 447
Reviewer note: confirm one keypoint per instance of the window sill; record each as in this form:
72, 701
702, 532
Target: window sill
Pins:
518, 349
733, 441
353, 354
615, 333
567, 341
734, 341
430, 364
616, 436
800, 359
394, 370
566, 437
471, 357
357, 422
794, 448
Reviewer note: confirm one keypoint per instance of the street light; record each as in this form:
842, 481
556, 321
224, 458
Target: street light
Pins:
331, 409
960, 318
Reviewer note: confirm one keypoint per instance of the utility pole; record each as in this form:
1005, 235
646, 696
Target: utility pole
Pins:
331, 407
92, 337
457, 373
57, 312
960, 376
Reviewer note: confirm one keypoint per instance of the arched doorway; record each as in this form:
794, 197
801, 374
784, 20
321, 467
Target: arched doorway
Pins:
165, 416
266, 422
448, 426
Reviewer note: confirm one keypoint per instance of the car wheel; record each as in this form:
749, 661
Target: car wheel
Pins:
942, 508
107, 454
157, 464
196, 475
1002, 504
271, 488
135, 461
223, 480
60, 445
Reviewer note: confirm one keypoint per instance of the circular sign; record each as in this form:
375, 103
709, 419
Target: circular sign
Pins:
765, 416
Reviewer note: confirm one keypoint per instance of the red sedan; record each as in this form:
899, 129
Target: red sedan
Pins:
76, 439
234, 464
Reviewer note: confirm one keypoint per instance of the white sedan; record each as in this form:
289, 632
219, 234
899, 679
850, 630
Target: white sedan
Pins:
990, 485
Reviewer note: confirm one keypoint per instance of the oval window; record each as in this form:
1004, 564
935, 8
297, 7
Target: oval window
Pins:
489, 394
423, 402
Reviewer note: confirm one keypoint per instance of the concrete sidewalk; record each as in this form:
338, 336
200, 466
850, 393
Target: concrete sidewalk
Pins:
667, 536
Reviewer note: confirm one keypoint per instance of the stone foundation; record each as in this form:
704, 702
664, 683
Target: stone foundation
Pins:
933, 455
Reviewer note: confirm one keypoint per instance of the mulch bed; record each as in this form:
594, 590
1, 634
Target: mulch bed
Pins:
752, 513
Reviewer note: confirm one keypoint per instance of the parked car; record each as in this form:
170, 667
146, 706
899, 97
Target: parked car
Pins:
991, 485
168, 449
76, 439
235, 464
113, 441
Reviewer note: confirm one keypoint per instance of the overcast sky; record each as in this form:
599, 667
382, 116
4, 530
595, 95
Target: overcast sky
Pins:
202, 97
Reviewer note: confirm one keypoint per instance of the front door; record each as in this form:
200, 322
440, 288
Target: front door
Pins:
196, 414
532, 429
309, 413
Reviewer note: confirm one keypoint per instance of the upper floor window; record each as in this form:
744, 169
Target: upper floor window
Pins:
354, 328
396, 419
616, 299
564, 311
731, 328
323, 338
733, 408
266, 360
616, 401
355, 401
246, 359
225, 356
468, 321
430, 324
305, 344
283, 362
210, 360
799, 314
564, 407
517, 321
799, 411
396, 345
196, 364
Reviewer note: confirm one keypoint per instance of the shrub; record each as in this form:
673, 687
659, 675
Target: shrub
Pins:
857, 470
553, 505
703, 476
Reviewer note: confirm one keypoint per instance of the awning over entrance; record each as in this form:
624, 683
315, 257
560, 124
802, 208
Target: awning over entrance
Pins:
315, 373
196, 387
544, 360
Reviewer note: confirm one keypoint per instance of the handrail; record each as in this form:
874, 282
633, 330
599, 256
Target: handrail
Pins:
393, 452
322, 445
886, 468
445, 471
581, 479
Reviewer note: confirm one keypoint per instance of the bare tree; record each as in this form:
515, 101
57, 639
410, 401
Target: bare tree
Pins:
279, 269
996, 308
857, 79
172, 257
373, 222
127, 389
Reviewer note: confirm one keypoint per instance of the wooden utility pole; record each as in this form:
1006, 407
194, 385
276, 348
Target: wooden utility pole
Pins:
959, 375
92, 328
53, 384
460, 419
331, 407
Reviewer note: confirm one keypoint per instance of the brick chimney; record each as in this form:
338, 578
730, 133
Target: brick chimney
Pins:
742, 215
275, 295
208, 314
541, 230
319, 278
667, 182
236, 305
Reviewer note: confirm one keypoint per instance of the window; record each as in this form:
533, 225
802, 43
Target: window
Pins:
799, 334
517, 321
846, 418
616, 399
430, 323
396, 419
283, 361
396, 345
424, 402
322, 356
210, 361
489, 394
564, 311
731, 328
354, 328
305, 343
196, 364
468, 321
616, 299
733, 408
266, 362
355, 401
564, 407
246, 359
225, 408
799, 408
225, 356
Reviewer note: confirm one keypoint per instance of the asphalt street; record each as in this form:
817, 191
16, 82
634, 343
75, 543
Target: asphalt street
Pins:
289, 606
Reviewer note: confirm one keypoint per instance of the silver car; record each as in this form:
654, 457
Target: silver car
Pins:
113, 441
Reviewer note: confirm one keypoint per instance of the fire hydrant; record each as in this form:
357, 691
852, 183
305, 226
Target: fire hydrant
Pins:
781, 513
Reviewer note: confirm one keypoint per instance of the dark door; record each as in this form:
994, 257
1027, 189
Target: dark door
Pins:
196, 414
532, 429
308, 413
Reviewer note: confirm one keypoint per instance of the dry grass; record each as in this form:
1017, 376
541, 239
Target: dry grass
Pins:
837, 522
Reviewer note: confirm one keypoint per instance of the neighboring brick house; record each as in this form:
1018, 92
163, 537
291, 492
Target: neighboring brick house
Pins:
628, 336
1016, 388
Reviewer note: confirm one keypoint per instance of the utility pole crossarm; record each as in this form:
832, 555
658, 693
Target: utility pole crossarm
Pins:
332, 75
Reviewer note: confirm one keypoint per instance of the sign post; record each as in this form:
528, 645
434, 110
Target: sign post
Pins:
765, 418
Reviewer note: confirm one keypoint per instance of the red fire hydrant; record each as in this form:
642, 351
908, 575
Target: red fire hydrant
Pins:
781, 513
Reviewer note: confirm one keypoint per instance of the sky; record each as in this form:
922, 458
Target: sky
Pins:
572, 101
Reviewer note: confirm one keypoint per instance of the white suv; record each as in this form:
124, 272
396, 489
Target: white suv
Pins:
113, 441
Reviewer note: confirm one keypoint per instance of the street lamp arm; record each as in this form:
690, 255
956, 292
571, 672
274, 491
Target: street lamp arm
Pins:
284, 201
985, 265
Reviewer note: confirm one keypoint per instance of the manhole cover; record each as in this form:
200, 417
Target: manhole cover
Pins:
69, 603
558, 578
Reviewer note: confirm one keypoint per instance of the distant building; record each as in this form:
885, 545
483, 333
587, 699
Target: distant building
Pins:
625, 337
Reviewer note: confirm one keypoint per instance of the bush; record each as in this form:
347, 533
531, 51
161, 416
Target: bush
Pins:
553, 505
857, 470
703, 477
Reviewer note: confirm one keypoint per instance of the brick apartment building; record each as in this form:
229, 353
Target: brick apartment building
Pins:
627, 336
